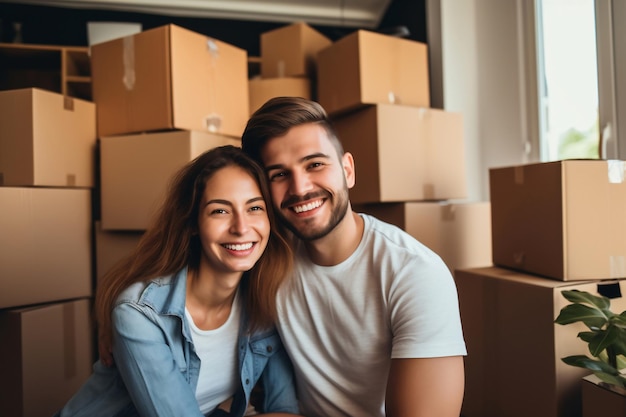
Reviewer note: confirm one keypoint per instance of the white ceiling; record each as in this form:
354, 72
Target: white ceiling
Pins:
349, 13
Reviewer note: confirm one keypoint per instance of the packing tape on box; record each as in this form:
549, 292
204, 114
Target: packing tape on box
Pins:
448, 212
518, 173
616, 171
68, 103
212, 121
618, 266
69, 339
129, 62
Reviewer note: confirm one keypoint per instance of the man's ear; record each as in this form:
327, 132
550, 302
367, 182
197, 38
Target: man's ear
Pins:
348, 169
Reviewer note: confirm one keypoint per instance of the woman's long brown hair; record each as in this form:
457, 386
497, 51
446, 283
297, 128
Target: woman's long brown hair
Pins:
171, 243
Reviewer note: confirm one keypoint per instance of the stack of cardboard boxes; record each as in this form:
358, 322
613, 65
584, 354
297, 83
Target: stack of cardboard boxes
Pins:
80, 181
288, 64
410, 159
555, 226
47, 146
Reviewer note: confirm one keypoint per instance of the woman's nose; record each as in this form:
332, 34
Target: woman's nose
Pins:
239, 225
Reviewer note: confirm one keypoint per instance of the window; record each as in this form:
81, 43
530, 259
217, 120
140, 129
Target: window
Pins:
567, 79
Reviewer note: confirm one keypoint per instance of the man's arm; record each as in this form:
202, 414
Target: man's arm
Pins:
430, 387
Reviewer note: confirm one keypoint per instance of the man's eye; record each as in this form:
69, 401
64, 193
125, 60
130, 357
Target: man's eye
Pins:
278, 176
316, 164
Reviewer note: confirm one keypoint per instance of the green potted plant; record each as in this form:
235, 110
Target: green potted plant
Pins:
606, 340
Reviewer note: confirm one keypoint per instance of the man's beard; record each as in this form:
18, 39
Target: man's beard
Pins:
338, 213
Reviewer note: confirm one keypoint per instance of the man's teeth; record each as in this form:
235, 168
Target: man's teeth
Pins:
307, 207
243, 246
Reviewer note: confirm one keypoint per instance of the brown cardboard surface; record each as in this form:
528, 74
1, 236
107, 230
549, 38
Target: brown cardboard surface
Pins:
458, 232
262, 89
136, 169
291, 51
514, 366
564, 220
600, 401
404, 153
46, 139
45, 245
369, 68
111, 247
46, 354
169, 78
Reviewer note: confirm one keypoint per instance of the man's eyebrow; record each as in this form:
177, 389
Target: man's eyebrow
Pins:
306, 158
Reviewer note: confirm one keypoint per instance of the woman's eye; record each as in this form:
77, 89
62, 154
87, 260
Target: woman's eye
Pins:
218, 211
257, 208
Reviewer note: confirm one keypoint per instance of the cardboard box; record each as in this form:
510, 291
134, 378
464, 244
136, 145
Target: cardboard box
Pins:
600, 400
514, 367
370, 68
169, 78
45, 245
563, 220
136, 169
46, 354
262, 89
404, 153
111, 247
291, 51
46, 139
458, 232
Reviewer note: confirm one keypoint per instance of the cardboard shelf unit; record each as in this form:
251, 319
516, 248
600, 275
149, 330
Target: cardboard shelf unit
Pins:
62, 69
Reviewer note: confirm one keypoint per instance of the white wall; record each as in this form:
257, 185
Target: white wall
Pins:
483, 77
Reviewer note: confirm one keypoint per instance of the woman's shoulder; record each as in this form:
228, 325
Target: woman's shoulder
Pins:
150, 290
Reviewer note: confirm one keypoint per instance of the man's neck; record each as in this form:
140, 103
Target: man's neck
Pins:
340, 243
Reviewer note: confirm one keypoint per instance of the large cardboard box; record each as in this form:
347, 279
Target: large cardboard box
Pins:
262, 89
136, 170
46, 354
291, 51
369, 68
514, 367
111, 247
601, 400
169, 78
564, 220
46, 139
45, 245
458, 232
404, 153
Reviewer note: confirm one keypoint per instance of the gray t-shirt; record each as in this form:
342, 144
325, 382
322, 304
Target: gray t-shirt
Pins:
342, 324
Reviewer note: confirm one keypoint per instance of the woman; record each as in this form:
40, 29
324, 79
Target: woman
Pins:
190, 313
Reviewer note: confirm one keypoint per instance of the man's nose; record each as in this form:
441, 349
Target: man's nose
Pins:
300, 183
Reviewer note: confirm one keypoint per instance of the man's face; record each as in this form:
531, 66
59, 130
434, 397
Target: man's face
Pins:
308, 180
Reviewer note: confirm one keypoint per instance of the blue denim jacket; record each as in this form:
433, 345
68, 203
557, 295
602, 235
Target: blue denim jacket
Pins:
156, 368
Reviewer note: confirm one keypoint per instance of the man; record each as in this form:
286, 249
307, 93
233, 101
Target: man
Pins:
370, 317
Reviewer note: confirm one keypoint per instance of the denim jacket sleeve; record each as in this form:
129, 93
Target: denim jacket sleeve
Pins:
278, 379
150, 365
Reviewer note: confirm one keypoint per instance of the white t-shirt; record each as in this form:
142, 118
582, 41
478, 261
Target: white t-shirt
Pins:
217, 350
342, 325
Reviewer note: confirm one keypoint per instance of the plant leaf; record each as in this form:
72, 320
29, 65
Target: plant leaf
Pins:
572, 313
620, 381
583, 361
583, 297
601, 340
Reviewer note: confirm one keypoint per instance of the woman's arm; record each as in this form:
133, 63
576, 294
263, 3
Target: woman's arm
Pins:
148, 367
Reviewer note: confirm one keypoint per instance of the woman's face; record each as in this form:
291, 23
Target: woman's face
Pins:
233, 224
